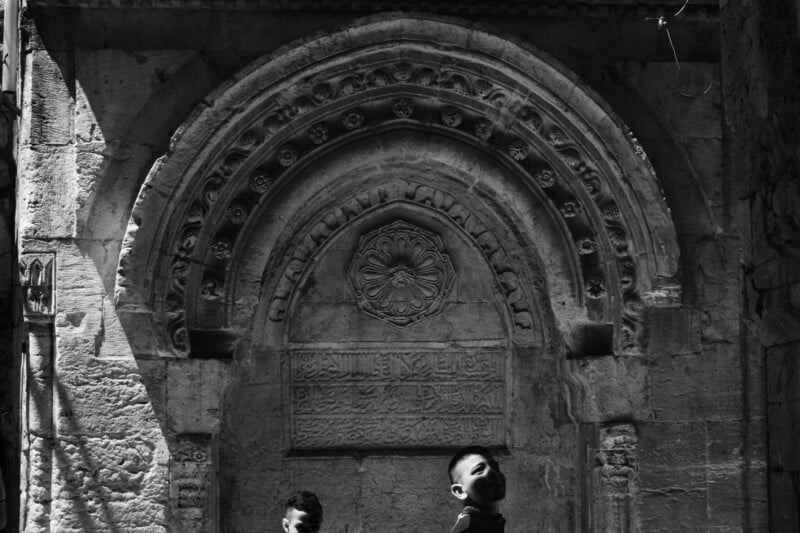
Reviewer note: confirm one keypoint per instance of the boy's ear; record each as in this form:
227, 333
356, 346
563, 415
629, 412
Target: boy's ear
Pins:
285, 524
458, 491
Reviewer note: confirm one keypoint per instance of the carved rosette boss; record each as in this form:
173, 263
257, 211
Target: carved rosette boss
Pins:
401, 273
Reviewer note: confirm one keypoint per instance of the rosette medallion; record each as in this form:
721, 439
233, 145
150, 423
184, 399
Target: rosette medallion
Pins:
401, 273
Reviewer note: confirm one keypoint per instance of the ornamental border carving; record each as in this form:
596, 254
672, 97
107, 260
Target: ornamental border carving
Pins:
411, 192
468, 97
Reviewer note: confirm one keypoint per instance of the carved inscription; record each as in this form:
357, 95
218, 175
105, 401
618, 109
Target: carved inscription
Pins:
401, 399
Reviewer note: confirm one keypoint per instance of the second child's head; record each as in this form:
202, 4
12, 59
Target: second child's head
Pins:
475, 478
303, 513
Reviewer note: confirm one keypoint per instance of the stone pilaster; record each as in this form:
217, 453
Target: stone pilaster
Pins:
37, 274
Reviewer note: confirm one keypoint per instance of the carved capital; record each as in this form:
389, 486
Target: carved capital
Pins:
37, 279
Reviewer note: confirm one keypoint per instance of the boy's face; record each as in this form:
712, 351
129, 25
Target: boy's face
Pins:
297, 521
477, 478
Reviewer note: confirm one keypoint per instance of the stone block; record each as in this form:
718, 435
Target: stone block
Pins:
672, 455
725, 498
46, 193
194, 390
697, 387
616, 388
47, 113
672, 330
673, 509
783, 373
98, 396
106, 483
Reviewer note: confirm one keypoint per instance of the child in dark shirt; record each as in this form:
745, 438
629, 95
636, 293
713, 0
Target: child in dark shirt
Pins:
476, 480
303, 513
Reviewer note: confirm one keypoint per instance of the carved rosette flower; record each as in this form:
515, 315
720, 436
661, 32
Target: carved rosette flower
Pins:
586, 246
402, 108
236, 213
401, 274
569, 209
518, 150
611, 211
221, 249
451, 117
318, 133
595, 288
353, 119
545, 177
260, 182
558, 136
287, 155
483, 129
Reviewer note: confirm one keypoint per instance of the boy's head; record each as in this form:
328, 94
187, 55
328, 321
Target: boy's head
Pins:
303, 513
475, 477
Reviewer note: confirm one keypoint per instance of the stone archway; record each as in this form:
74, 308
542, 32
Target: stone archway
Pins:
540, 223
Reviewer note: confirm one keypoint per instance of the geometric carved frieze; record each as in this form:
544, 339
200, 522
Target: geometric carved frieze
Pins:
401, 273
392, 399
37, 278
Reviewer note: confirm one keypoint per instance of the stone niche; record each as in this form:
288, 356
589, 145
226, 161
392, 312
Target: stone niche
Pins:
398, 346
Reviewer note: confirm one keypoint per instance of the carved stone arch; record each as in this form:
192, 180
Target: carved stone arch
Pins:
494, 161
240, 149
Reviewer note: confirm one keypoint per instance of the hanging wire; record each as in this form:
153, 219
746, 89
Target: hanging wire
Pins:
661, 22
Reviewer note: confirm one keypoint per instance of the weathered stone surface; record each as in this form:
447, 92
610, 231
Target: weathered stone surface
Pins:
105, 483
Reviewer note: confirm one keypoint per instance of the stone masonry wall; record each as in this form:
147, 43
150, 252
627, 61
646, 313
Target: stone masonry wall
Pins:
103, 91
761, 73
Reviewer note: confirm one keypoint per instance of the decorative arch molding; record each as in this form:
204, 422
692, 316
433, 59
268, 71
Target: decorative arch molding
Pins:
190, 235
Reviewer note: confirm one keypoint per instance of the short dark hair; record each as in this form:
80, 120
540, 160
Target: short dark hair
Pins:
306, 501
463, 452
